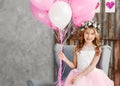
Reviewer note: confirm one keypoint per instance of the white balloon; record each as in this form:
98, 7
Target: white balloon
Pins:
60, 14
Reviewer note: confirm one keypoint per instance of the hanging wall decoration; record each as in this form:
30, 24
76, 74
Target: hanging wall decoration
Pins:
110, 6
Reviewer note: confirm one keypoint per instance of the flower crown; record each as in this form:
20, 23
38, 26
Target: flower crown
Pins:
88, 24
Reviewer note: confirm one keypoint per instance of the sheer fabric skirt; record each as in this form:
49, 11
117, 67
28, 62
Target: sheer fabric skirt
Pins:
95, 78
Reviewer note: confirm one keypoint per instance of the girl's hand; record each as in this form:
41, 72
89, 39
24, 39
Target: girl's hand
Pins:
73, 80
61, 55
76, 78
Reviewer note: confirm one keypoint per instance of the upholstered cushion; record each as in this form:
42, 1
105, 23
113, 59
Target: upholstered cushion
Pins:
105, 58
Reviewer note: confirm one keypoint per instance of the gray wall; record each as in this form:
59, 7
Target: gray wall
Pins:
26, 45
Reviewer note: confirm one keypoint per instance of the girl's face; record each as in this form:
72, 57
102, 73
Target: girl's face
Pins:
89, 35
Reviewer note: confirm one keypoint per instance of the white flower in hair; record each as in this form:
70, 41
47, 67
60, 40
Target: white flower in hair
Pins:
99, 28
83, 24
95, 25
89, 23
82, 29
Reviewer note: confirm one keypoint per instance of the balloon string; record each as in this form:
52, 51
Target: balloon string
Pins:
68, 27
60, 68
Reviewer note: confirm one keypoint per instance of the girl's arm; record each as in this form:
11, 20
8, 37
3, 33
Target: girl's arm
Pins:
71, 64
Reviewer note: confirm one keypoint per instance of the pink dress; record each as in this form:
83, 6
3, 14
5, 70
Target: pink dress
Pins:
95, 78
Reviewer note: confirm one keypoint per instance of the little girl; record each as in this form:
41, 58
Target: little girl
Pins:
86, 56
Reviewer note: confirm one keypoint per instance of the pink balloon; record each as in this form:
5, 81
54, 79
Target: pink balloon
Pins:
64, 1
42, 4
78, 20
41, 15
81, 9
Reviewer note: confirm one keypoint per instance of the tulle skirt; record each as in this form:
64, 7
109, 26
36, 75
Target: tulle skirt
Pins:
95, 78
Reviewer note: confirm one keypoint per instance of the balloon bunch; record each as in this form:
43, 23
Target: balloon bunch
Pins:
57, 13
60, 15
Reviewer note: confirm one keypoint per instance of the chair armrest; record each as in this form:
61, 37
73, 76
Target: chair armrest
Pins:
39, 83
105, 58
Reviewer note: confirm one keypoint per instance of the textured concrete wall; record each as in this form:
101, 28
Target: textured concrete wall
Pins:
25, 45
